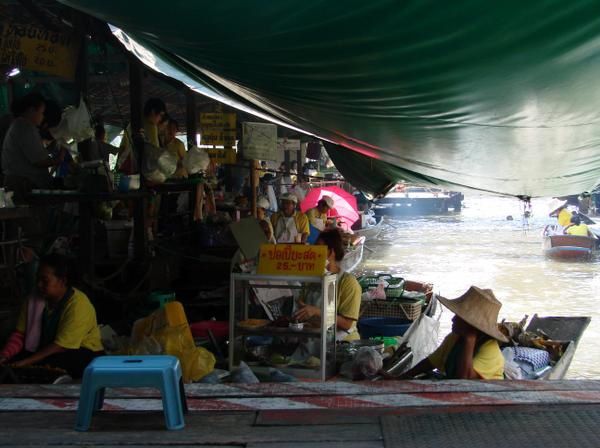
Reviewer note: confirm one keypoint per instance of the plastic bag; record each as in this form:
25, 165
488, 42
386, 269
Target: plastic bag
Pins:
423, 340
166, 331
74, 124
367, 363
158, 164
243, 375
196, 160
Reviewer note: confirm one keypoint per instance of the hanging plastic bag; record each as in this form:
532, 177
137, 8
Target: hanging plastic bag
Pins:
423, 340
74, 124
196, 160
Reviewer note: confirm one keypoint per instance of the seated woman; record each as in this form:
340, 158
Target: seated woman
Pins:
577, 228
471, 351
348, 290
56, 327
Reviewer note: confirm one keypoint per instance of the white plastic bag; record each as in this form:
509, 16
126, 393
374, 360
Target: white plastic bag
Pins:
423, 339
366, 364
196, 160
158, 164
74, 124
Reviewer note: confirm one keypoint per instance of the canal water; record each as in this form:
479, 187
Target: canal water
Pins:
481, 247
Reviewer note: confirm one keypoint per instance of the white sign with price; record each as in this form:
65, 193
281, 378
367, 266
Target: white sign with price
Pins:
259, 141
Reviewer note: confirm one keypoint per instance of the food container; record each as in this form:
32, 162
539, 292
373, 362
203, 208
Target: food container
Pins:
296, 326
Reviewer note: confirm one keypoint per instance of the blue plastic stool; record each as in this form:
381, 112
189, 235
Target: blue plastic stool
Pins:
161, 372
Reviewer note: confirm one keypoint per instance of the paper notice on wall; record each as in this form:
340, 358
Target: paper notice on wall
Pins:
259, 141
288, 144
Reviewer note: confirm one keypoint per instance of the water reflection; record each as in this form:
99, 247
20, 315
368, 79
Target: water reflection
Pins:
480, 247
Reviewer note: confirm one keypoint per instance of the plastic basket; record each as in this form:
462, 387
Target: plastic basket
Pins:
382, 326
401, 309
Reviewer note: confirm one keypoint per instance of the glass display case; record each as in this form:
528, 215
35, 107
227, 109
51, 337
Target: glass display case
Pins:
263, 333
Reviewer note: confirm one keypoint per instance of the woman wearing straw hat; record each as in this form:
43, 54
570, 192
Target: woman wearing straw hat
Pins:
471, 351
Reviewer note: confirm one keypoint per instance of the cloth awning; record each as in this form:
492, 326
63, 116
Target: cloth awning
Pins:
500, 96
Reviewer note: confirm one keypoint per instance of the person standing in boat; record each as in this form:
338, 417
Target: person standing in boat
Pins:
289, 225
471, 350
317, 217
577, 228
558, 208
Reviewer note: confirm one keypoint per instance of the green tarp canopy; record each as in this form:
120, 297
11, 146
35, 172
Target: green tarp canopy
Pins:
499, 96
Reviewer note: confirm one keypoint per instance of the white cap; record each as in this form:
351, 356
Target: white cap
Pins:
263, 202
289, 197
328, 200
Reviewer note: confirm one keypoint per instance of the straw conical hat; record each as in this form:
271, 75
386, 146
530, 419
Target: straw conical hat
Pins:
479, 308
555, 205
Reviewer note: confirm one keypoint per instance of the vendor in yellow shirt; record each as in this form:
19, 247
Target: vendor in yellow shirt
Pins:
155, 111
290, 225
175, 147
348, 291
57, 326
558, 208
471, 351
317, 217
577, 228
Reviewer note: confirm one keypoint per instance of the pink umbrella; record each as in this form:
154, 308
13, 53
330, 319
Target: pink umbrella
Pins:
344, 203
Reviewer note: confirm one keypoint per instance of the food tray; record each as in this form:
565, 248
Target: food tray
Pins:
410, 310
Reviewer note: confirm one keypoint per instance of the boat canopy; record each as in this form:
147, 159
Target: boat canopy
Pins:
499, 96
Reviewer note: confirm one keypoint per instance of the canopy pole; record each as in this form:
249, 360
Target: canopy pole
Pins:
139, 205
191, 118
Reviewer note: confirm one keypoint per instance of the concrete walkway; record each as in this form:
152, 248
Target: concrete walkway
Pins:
361, 414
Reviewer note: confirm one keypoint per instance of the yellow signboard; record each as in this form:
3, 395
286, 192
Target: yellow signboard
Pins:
36, 48
292, 260
218, 129
222, 156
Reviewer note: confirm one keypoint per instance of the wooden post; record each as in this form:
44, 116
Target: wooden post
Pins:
191, 126
191, 118
139, 207
253, 185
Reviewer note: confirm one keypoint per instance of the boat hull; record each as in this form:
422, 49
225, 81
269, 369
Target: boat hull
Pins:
569, 247
414, 206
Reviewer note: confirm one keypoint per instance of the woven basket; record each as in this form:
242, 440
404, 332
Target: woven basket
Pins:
410, 310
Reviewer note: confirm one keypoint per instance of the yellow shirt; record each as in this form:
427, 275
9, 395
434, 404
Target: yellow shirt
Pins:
313, 214
348, 301
177, 149
77, 327
580, 230
299, 218
564, 218
488, 362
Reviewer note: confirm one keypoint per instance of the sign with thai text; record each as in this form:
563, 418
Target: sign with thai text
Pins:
292, 259
259, 141
288, 144
218, 129
223, 156
33, 47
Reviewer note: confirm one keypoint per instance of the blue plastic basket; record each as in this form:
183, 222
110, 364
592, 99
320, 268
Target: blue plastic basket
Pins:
382, 326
